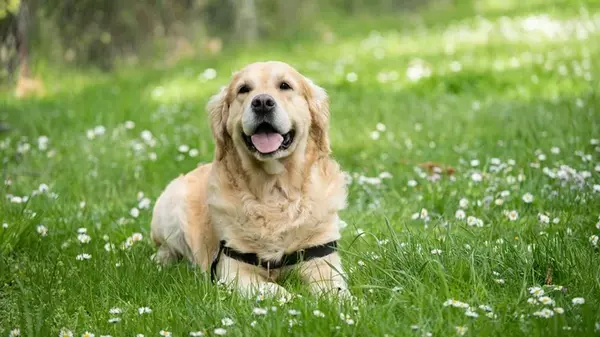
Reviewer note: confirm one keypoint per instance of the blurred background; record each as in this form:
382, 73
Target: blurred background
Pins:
104, 33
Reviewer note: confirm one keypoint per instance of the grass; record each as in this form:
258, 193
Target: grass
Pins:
497, 94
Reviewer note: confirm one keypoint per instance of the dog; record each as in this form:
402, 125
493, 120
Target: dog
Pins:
269, 200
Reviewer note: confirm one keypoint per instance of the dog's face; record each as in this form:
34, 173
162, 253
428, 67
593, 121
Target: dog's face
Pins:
268, 112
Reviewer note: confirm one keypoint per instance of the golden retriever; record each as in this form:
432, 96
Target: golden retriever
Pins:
271, 190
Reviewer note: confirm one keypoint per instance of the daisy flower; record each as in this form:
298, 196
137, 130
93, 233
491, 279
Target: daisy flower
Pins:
544, 313
115, 311
165, 333
220, 331
259, 311
144, 310
318, 313
134, 212
83, 256
545, 300
114, 320
347, 319
528, 198
137, 237
536, 291
293, 312
42, 230
196, 333
65, 333
460, 214
436, 251
578, 300
87, 334
84, 238
513, 215
463, 203
559, 310
461, 330
351, 77
227, 321
412, 183
594, 240
14, 332
471, 313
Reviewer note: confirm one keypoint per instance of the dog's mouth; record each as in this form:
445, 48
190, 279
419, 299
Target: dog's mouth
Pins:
267, 140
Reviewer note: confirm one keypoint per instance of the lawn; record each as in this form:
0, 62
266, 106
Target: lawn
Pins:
472, 140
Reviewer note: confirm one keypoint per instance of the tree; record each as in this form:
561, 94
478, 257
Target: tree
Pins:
246, 21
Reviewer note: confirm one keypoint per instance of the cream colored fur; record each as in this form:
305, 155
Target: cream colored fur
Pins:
267, 206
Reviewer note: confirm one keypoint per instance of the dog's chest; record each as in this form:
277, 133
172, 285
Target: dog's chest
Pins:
272, 226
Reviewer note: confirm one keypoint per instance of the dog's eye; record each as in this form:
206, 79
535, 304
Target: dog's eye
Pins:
244, 89
285, 86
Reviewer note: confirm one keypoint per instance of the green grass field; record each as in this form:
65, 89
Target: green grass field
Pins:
502, 102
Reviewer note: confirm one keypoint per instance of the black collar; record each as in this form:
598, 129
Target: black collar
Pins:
286, 260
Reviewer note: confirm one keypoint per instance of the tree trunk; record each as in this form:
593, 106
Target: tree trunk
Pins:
246, 21
23, 18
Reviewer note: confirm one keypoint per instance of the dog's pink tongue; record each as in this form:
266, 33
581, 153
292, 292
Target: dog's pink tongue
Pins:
267, 142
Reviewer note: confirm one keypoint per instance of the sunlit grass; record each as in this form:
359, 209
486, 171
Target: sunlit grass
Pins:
448, 128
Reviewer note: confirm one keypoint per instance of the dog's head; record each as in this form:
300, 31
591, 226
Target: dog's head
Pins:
269, 112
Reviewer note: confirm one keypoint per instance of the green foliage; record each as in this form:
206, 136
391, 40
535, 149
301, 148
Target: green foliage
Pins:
9, 7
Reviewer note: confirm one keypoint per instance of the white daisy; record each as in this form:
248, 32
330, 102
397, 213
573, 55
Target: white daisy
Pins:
578, 301
461, 330
144, 310
259, 311
220, 331
544, 313
84, 238
545, 300
42, 230
513, 215
115, 311
134, 212
64, 332
536, 291
471, 313
227, 321
528, 198
83, 256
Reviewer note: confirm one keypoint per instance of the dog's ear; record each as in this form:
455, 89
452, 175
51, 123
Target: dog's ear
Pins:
318, 104
218, 112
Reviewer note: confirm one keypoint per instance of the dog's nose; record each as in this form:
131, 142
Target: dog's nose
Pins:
263, 103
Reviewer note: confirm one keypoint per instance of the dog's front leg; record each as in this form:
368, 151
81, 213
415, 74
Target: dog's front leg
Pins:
325, 275
248, 279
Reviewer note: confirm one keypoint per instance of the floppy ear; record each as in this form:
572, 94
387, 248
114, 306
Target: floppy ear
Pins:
218, 111
318, 104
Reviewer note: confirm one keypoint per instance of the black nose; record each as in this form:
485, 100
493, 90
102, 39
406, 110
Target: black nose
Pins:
263, 103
